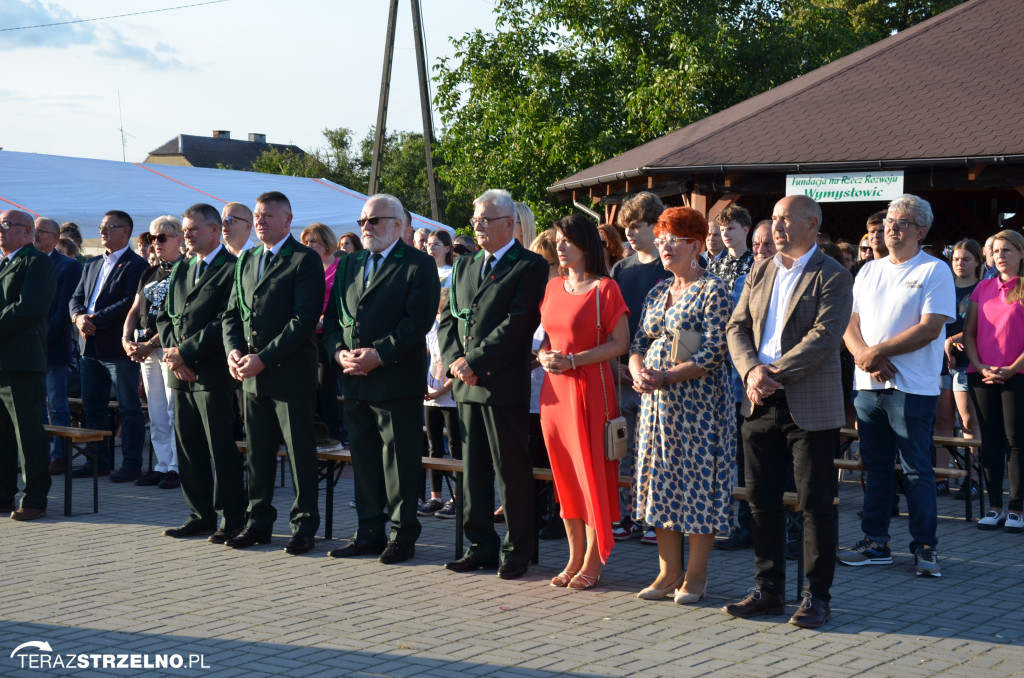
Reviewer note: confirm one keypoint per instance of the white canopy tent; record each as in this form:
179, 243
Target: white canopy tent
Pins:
82, 190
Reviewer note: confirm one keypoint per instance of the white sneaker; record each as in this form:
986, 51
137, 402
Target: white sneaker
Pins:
1014, 522
993, 520
650, 537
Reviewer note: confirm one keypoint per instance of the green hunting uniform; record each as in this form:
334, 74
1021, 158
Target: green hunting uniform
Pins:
190, 320
275, 316
490, 322
390, 311
27, 287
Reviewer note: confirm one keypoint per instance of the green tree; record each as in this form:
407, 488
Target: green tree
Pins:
565, 84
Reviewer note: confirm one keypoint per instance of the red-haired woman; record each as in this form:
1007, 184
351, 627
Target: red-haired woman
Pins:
686, 431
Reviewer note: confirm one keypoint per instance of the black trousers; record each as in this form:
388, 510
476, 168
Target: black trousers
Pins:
438, 420
1001, 420
771, 439
495, 443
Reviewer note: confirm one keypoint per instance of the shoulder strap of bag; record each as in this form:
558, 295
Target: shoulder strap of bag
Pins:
600, 367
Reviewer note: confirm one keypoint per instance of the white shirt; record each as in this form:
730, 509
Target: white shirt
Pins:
498, 254
110, 260
782, 292
383, 255
891, 298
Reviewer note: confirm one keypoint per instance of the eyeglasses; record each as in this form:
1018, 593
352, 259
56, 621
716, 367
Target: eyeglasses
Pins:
230, 220
160, 237
373, 221
38, 232
485, 221
865, 248
670, 241
110, 227
900, 224
4, 225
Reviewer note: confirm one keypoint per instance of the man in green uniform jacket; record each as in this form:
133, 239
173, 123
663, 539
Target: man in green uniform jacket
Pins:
383, 304
269, 332
27, 286
190, 332
486, 339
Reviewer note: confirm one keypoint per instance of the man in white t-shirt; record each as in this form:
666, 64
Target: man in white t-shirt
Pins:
900, 305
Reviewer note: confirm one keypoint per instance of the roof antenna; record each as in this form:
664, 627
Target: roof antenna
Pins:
124, 135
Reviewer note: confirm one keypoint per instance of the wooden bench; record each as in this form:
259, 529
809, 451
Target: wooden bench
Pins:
951, 443
71, 437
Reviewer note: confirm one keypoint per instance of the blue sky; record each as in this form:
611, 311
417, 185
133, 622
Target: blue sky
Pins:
286, 69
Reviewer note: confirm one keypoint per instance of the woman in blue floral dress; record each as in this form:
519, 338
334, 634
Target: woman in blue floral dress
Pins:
686, 432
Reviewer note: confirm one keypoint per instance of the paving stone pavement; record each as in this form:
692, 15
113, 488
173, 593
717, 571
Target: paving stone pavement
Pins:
110, 584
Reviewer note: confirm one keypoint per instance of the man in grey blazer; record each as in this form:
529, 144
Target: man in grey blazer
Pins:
784, 338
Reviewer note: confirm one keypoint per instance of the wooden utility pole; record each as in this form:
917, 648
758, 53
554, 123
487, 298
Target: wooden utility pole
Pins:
382, 106
428, 119
436, 209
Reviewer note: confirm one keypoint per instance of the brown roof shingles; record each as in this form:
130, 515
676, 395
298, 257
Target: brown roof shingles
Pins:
950, 87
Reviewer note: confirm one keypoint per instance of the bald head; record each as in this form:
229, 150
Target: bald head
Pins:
47, 234
17, 229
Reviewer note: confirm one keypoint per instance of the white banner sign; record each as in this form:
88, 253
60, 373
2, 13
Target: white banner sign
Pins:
848, 187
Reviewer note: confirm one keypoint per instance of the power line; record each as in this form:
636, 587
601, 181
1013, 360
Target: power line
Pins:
115, 16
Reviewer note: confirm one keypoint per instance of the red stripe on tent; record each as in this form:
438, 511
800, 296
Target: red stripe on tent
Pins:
339, 189
178, 182
19, 206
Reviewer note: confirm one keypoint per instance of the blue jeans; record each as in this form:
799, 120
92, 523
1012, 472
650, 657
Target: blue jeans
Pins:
57, 400
895, 426
97, 377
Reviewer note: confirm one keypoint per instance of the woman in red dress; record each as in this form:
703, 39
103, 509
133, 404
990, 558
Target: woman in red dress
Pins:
573, 400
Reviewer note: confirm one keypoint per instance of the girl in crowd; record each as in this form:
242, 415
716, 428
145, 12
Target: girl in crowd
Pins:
994, 340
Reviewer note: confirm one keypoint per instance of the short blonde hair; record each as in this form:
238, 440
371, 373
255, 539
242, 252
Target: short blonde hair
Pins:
165, 224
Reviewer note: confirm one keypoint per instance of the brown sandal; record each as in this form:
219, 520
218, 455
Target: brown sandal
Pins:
563, 579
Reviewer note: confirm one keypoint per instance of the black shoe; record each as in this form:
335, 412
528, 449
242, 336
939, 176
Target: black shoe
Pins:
170, 481
397, 552
85, 471
358, 547
189, 529
962, 493
248, 537
757, 603
150, 478
126, 474
469, 564
222, 535
739, 539
300, 543
941, 488
812, 613
512, 570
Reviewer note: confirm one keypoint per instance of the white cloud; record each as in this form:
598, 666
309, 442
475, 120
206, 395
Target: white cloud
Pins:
111, 43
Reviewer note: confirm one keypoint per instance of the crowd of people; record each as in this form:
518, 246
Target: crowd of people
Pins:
730, 365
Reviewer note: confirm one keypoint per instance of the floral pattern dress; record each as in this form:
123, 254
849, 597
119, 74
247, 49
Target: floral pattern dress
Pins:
686, 432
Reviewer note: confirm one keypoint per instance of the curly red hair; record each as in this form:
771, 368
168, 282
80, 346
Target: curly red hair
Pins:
682, 222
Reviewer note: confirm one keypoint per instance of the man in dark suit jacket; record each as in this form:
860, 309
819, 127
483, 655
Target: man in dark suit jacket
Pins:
27, 286
383, 304
98, 308
784, 339
269, 331
59, 333
203, 391
486, 338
